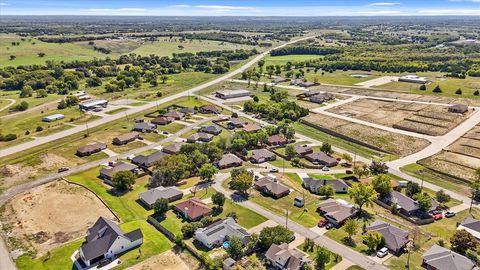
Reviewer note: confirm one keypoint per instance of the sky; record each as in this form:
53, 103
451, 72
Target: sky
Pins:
241, 7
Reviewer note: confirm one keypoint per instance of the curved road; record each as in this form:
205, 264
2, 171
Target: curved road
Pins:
12, 101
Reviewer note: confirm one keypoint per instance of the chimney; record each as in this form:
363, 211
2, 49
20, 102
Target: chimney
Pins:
185, 212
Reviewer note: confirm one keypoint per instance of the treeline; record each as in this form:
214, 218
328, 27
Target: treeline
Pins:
305, 50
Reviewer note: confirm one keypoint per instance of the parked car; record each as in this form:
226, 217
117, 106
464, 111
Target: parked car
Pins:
63, 169
449, 214
329, 226
130, 157
165, 132
322, 223
325, 169
349, 172
382, 252
274, 170
437, 215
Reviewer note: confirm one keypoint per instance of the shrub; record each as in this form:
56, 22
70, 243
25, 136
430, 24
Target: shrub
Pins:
437, 89
459, 91
8, 137
38, 129
476, 93
423, 87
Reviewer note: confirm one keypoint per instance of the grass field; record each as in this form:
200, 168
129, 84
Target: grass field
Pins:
282, 60
166, 47
118, 110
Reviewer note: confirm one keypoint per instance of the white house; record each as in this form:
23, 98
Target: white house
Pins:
106, 240
472, 226
215, 234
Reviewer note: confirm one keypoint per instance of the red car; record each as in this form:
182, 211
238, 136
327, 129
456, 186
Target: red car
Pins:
322, 223
437, 216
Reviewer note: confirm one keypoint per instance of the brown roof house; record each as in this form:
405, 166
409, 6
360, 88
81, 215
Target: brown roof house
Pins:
440, 258
395, 239
148, 198
89, 149
208, 109
271, 187
175, 115
276, 140
150, 160
144, 127
192, 209
211, 129
235, 123
200, 137
322, 159
282, 257
162, 120
302, 150
125, 138
251, 127
172, 148
107, 173
336, 211
105, 240
229, 160
262, 155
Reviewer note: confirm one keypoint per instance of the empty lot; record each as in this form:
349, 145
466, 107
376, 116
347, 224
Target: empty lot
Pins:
434, 120
49, 216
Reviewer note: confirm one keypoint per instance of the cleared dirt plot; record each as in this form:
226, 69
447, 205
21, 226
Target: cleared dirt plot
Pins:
49, 216
165, 261
427, 119
374, 138
460, 159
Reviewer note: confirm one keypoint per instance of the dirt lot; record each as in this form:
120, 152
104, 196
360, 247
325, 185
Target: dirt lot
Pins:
50, 215
432, 120
389, 142
460, 159
165, 261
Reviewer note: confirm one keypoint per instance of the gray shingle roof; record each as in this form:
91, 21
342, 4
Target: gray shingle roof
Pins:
172, 148
118, 167
218, 231
271, 186
149, 160
314, 184
289, 258
471, 223
395, 238
212, 129
152, 195
444, 259
229, 160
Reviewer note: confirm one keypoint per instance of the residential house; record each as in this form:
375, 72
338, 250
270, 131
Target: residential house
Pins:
220, 231
90, 105
200, 137
172, 148
228, 161
211, 129
53, 117
321, 98
148, 198
472, 226
440, 258
271, 187
125, 138
314, 185
90, 149
302, 83
283, 258
322, 159
277, 140
107, 173
395, 238
148, 161
308, 93
262, 155
406, 205
174, 114
251, 127
192, 209
187, 110
302, 150
458, 108
162, 120
336, 211
228, 94
144, 127
209, 109
106, 240
278, 79
235, 123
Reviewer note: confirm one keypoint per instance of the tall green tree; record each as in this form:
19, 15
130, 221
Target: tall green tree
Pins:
274, 235
362, 194
207, 171
351, 228
123, 180
372, 239
160, 207
322, 257
382, 185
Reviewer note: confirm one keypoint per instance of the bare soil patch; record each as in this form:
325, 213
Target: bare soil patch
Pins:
386, 141
427, 119
49, 216
168, 260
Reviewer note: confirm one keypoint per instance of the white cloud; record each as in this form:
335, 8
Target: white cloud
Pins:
383, 4
217, 7
379, 12
446, 12
3, 4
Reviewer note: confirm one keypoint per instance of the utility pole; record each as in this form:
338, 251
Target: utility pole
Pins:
286, 220
126, 116
88, 132
354, 159
423, 176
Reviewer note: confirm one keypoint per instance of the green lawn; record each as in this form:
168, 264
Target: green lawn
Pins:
355, 267
118, 110
245, 217
282, 60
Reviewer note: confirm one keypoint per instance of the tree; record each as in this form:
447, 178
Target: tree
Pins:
459, 91
372, 239
123, 180
41, 54
327, 191
218, 199
235, 250
423, 87
476, 93
361, 171
362, 194
290, 151
382, 185
412, 188
12, 57
347, 158
442, 197
322, 257
462, 241
424, 201
23, 106
41, 93
351, 228
437, 89
378, 167
242, 182
207, 171
163, 78
169, 170
160, 207
326, 148
274, 235
27, 91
